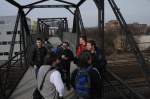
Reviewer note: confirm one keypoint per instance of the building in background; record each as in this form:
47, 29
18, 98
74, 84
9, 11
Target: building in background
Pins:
112, 26
7, 24
135, 28
143, 41
139, 31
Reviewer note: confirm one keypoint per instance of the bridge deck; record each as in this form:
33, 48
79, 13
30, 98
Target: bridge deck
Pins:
27, 85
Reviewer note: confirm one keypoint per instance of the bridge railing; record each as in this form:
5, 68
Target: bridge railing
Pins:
122, 88
8, 71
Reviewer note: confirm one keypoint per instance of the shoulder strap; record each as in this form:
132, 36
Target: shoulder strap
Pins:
97, 72
41, 86
89, 68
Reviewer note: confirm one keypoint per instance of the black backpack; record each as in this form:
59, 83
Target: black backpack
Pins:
37, 94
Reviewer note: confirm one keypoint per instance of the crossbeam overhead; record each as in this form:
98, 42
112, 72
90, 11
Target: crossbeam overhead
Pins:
14, 3
81, 2
36, 2
50, 6
66, 2
52, 18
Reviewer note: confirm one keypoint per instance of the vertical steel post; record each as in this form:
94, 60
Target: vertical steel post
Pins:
77, 26
27, 39
21, 41
14, 36
100, 7
23, 37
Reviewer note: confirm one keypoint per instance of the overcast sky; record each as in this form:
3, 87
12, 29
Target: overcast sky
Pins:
132, 10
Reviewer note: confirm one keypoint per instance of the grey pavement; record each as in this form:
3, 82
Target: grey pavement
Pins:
28, 83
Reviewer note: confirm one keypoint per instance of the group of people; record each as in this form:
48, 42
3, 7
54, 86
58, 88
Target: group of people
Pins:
52, 69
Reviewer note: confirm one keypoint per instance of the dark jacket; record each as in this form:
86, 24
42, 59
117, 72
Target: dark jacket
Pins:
96, 83
69, 55
99, 60
38, 56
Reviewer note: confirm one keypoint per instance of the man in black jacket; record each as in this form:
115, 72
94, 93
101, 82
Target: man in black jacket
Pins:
38, 54
66, 58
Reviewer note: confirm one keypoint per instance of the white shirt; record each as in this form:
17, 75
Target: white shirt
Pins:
55, 78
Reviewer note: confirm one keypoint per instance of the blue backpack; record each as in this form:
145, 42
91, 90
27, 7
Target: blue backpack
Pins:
83, 83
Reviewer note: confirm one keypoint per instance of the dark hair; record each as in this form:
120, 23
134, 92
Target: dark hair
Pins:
50, 58
83, 37
46, 39
39, 39
92, 42
59, 46
67, 43
83, 58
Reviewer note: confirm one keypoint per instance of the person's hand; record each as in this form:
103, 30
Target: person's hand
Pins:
35, 66
64, 57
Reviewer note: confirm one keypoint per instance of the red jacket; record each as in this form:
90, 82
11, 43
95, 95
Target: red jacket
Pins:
80, 49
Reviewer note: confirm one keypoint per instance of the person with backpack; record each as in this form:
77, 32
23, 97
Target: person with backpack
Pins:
86, 80
38, 54
52, 86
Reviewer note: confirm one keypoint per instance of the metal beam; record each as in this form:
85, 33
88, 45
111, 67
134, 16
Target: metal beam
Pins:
80, 2
28, 11
14, 35
81, 24
96, 3
51, 18
14, 3
67, 2
77, 25
49, 6
70, 10
36, 3
100, 7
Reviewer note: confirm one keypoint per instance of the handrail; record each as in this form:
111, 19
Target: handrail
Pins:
124, 84
7, 62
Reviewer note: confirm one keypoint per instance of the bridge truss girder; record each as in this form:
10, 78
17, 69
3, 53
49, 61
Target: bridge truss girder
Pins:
78, 28
59, 24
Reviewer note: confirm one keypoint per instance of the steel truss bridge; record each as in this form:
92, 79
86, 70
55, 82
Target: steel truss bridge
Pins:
8, 70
